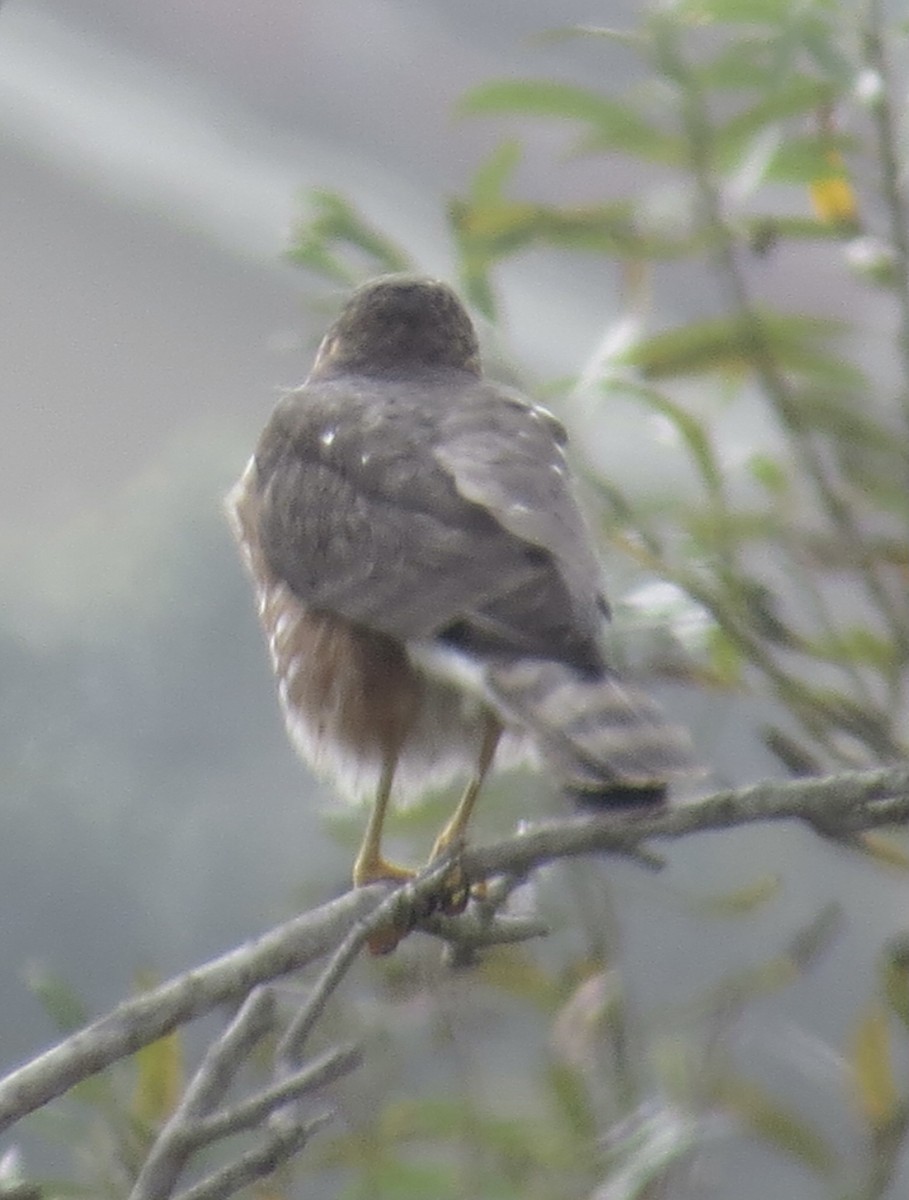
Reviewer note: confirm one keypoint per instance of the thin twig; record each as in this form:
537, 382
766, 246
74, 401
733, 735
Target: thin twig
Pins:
142, 1020
891, 186
249, 1113
256, 1164
179, 1139
842, 804
731, 276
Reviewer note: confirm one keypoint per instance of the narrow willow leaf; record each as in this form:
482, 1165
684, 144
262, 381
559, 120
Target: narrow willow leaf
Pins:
614, 125
726, 659
819, 37
159, 1082
516, 973
61, 1002
160, 1070
799, 95
883, 849
741, 901
489, 181
803, 159
857, 645
711, 527
775, 1123
764, 233
746, 63
336, 224
872, 1068
751, 12
694, 434
770, 473
725, 344
571, 1101
895, 976
810, 942
487, 233
838, 415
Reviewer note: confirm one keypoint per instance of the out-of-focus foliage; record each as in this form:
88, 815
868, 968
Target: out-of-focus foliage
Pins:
774, 127
777, 128
776, 122
109, 1120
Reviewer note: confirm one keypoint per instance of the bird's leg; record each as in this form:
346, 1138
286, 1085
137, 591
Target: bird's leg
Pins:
370, 865
453, 835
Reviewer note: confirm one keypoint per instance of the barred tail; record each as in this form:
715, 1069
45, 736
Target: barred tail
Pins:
605, 741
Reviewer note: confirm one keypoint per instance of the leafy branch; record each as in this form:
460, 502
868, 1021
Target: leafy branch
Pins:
844, 807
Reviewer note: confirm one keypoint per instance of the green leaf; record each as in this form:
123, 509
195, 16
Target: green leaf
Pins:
751, 12
799, 95
489, 181
690, 429
713, 527
841, 417
159, 1080
857, 645
810, 942
749, 62
336, 226
769, 473
805, 159
820, 37
516, 973
872, 1068
727, 663
776, 1124
61, 1003
571, 1101
763, 233
883, 849
743, 900
895, 976
614, 125
725, 344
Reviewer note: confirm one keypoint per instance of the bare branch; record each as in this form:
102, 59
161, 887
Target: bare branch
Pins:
148, 1017
846, 803
839, 806
253, 1111
255, 1164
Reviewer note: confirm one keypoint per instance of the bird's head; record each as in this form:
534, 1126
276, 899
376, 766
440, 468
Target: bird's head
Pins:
397, 323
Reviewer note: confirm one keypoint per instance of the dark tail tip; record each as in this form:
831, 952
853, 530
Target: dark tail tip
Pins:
620, 796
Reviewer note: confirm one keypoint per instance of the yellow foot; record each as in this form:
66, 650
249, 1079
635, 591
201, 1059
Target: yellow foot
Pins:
378, 870
455, 889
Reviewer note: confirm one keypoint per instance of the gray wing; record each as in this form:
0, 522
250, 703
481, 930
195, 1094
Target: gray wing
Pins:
507, 456
427, 510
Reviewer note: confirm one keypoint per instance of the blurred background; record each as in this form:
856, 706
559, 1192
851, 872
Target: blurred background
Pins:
153, 161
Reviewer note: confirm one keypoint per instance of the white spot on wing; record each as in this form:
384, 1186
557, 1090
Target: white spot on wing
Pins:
327, 436
283, 624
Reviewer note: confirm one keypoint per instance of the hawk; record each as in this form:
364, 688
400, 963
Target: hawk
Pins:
425, 578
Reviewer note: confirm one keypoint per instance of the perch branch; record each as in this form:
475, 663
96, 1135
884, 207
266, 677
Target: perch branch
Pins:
837, 806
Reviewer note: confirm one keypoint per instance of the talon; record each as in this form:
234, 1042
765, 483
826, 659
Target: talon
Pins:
385, 940
455, 892
379, 870
376, 869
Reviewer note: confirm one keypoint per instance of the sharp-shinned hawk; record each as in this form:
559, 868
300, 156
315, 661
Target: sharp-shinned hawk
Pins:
426, 580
